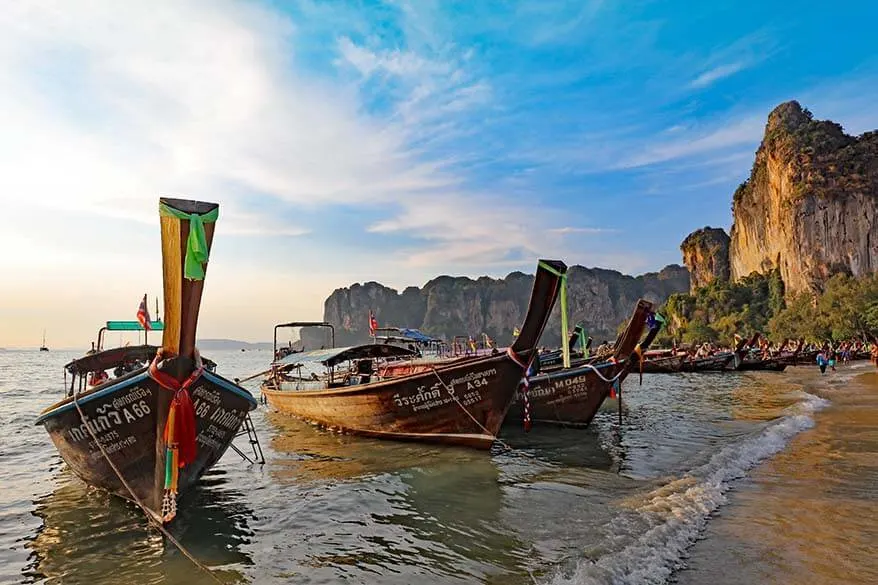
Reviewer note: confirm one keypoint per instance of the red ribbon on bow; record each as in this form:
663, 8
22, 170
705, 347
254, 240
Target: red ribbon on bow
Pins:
184, 427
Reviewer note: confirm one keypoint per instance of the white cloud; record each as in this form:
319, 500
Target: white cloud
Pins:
715, 74
109, 105
393, 62
430, 84
580, 230
480, 232
746, 130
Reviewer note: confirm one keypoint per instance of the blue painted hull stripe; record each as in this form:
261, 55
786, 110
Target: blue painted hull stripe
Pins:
99, 394
139, 379
229, 387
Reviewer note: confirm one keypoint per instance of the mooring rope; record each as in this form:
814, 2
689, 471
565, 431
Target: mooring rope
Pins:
454, 397
152, 520
525, 385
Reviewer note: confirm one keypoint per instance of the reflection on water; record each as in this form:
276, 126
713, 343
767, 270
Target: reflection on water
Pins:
89, 536
396, 509
606, 504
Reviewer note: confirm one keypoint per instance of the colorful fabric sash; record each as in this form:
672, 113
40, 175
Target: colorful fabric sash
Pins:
196, 243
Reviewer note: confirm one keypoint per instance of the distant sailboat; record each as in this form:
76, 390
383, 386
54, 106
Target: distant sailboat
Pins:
43, 347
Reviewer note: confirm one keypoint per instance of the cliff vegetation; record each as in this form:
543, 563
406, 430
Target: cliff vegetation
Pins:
706, 255
808, 207
847, 308
803, 251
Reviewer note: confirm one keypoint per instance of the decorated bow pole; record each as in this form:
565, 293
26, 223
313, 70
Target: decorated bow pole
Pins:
187, 235
565, 346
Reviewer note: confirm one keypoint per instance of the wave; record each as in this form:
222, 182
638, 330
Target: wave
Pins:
648, 540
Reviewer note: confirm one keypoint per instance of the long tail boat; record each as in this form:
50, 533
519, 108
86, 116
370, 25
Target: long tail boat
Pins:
460, 403
712, 363
555, 358
150, 434
753, 361
572, 396
792, 358
757, 364
662, 362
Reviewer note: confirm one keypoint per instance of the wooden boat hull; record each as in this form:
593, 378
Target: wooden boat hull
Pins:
665, 365
128, 417
802, 359
572, 396
457, 403
714, 363
769, 365
569, 397
466, 407
402, 368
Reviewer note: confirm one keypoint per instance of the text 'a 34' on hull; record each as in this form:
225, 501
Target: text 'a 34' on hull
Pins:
149, 434
458, 403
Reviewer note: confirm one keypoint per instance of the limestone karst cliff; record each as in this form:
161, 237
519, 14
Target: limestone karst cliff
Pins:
809, 206
706, 255
447, 306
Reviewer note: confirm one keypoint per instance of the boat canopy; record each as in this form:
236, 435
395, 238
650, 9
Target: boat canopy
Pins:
336, 355
133, 326
110, 358
416, 335
405, 334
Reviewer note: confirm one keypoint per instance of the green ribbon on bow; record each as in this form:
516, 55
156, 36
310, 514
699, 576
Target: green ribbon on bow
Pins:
196, 243
583, 342
565, 346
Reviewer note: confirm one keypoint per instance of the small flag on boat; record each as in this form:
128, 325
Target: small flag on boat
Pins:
373, 323
615, 389
143, 314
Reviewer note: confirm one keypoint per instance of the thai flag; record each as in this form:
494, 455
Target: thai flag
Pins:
373, 323
143, 314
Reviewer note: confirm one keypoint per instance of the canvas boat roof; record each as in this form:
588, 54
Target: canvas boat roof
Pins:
408, 334
336, 355
110, 358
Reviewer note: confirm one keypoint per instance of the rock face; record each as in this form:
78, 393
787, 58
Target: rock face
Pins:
809, 206
447, 306
706, 255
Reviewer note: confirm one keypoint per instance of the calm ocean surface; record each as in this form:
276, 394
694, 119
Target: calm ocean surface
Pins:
739, 478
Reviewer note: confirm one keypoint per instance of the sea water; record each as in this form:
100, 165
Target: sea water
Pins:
756, 477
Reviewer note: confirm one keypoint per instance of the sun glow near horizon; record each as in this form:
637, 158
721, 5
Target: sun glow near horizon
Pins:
391, 141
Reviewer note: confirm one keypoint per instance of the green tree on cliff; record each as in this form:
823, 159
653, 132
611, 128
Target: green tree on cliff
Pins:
848, 307
721, 309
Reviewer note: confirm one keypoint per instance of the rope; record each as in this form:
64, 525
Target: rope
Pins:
525, 382
454, 397
152, 520
599, 375
250, 377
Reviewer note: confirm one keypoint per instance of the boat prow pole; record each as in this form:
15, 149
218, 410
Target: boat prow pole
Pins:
187, 235
548, 283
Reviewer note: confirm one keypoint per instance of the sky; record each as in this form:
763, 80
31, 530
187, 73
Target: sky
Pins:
390, 141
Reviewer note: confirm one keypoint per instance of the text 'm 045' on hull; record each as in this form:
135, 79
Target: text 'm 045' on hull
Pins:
572, 396
458, 403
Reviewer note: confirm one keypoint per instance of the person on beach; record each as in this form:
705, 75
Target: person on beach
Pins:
822, 362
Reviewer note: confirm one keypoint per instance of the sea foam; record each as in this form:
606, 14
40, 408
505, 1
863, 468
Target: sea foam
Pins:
648, 540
